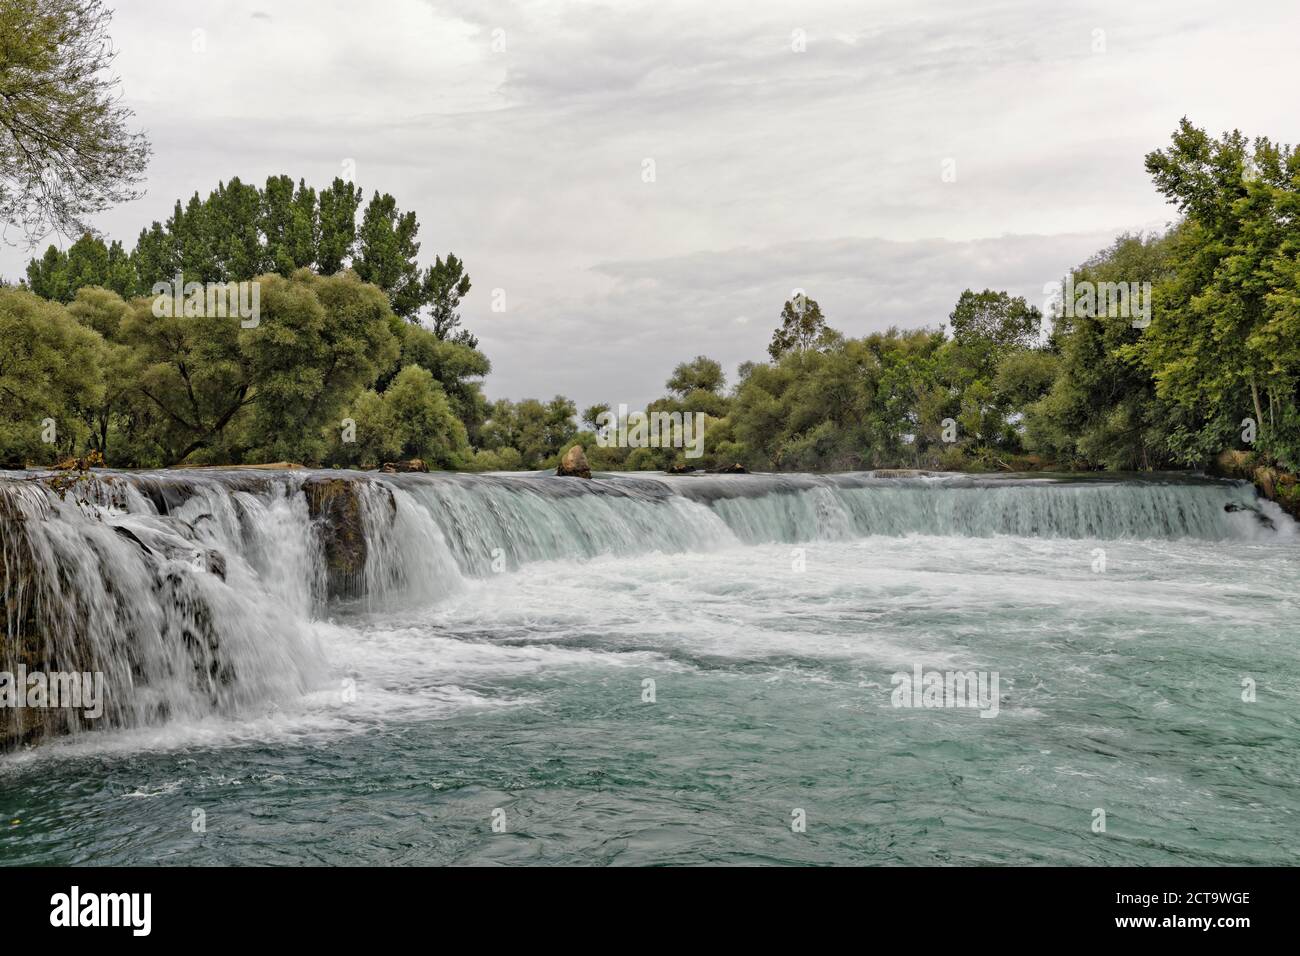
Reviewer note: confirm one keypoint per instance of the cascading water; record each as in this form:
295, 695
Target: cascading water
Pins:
349, 667
194, 592
199, 609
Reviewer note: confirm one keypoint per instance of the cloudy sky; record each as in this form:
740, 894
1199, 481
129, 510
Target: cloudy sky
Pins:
792, 145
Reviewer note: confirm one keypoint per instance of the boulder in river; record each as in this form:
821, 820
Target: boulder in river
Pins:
415, 464
92, 460
574, 464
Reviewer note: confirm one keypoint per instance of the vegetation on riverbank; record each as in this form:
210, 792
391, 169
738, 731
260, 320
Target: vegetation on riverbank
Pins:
358, 355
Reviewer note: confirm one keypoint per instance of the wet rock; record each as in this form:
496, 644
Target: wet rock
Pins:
215, 562
734, 469
574, 464
1264, 479
415, 464
1263, 519
335, 507
92, 460
132, 537
678, 469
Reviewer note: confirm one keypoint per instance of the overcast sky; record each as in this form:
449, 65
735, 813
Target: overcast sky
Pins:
794, 145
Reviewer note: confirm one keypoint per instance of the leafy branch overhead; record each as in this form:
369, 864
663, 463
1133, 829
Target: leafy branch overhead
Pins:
66, 149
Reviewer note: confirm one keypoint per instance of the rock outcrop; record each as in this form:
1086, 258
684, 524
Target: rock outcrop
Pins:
1277, 486
415, 464
334, 505
574, 464
93, 460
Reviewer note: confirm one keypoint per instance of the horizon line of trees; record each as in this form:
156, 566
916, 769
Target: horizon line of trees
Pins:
344, 368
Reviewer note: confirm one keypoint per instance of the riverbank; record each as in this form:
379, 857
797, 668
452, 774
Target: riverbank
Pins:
1280, 487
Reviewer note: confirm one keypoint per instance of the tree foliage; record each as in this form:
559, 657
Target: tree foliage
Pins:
66, 150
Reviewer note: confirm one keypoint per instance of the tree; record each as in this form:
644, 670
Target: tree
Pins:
591, 415
994, 319
386, 251
802, 328
1101, 409
65, 150
289, 221
319, 342
1220, 346
104, 311
374, 440
51, 375
538, 431
457, 367
422, 422
445, 284
210, 388
48, 275
701, 373
338, 225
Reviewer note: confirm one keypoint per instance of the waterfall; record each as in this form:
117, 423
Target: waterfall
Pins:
194, 591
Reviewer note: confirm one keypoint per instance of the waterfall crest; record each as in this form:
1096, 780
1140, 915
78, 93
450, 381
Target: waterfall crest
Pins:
193, 592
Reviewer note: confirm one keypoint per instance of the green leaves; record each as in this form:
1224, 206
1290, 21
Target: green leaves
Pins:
66, 152
802, 327
1223, 343
51, 378
240, 231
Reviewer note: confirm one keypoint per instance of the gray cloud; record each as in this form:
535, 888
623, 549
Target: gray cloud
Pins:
621, 344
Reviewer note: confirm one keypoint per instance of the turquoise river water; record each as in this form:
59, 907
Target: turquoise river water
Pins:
674, 670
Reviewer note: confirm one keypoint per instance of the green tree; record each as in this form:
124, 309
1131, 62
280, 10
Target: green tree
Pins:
1219, 345
338, 225
995, 320
51, 376
215, 389
290, 223
802, 327
457, 367
591, 414
386, 251
66, 152
445, 284
699, 374
422, 421
1101, 409
539, 431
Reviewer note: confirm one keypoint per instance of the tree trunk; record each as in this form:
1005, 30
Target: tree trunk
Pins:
1259, 412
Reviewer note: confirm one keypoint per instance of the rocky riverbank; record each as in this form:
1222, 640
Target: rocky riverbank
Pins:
1272, 483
